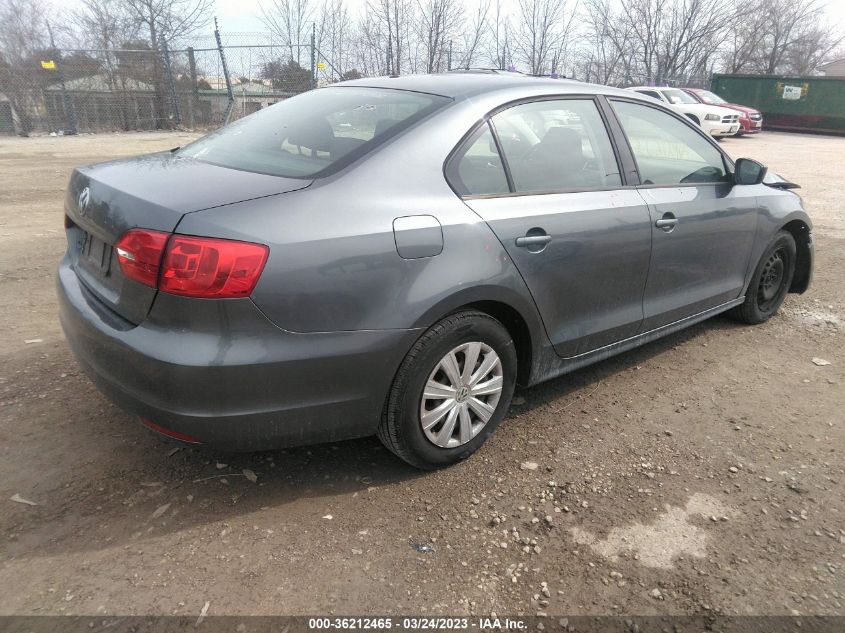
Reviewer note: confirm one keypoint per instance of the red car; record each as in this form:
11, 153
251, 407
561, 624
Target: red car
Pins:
750, 120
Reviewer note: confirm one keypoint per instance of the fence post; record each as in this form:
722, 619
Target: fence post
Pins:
195, 95
174, 98
313, 55
67, 103
228, 79
449, 57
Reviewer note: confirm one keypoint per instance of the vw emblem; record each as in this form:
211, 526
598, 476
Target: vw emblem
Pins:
82, 201
463, 392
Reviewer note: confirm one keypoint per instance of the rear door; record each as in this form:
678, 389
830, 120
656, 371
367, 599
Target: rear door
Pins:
702, 225
580, 239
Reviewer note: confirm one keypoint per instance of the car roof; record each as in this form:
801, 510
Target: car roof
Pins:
467, 84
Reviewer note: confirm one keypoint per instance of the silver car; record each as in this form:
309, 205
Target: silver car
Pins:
392, 256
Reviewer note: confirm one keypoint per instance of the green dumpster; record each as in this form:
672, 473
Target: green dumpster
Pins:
808, 104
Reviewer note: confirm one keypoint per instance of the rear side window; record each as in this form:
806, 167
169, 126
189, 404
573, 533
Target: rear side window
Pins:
306, 135
476, 169
555, 145
668, 151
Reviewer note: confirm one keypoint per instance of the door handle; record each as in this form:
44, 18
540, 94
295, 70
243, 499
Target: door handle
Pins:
667, 222
533, 240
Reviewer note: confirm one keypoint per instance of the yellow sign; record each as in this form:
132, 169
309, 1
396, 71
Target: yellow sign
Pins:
48, 64
321, 65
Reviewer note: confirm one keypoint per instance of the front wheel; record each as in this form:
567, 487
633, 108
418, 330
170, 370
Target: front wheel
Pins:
770, 283
451, 391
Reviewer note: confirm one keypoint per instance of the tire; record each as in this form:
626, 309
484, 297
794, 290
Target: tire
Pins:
770, 283
464, 335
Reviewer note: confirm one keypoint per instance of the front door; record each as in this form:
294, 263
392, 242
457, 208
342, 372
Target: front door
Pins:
579, 238
703, 226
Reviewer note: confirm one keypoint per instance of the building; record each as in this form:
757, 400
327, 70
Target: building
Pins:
836, 68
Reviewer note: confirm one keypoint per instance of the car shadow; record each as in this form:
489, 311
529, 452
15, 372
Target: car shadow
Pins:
145, 485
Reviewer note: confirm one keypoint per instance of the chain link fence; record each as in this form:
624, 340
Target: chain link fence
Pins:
218, 78
202, 86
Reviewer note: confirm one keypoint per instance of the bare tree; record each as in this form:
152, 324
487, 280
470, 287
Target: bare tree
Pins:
438, 22
780, 36
105, 24
22, 27
609, 46
500, 37
472, 37
745, 37
671, 39
163, 22
166, 21
290, 20
815, 45
789, 22
334, 37
387, 35
22, 35
560, 53
538, 32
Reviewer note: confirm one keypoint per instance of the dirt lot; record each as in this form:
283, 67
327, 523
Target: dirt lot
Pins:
702, 473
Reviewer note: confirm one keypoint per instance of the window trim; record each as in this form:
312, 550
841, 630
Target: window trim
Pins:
726, 160
618, 153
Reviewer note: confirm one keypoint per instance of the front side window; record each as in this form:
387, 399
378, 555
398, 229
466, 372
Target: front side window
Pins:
668, 151
556, 145
306, 134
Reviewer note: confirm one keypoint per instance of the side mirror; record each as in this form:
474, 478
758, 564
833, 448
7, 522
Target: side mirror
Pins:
748, 172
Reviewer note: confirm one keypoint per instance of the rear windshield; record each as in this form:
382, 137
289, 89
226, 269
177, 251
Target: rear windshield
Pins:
302, 137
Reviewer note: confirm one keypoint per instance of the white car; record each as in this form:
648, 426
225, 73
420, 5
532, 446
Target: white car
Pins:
714, 120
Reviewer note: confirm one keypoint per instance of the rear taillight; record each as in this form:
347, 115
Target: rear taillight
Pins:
139, 254
202, 267
206, 267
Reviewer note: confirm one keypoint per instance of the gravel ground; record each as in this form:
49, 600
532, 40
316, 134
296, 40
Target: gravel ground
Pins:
699, 474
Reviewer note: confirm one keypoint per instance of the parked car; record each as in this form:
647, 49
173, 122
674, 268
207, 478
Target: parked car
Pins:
715, 120
282, 281
750, 120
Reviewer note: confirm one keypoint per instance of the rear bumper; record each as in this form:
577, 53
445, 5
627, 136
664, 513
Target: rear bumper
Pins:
221, 372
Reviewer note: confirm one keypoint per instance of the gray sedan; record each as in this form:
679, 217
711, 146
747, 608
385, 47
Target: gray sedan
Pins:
392, 256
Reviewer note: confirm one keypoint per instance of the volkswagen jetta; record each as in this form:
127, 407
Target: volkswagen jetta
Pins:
392, 256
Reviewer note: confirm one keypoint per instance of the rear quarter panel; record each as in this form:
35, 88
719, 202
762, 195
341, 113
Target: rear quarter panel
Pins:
333, 261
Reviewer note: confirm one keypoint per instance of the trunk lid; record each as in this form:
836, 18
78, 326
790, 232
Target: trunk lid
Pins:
152, 192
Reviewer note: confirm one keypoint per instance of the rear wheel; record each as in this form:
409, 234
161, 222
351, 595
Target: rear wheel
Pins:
451, 391
770, 283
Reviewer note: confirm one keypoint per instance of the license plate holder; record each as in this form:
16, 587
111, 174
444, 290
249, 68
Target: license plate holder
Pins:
97, 253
